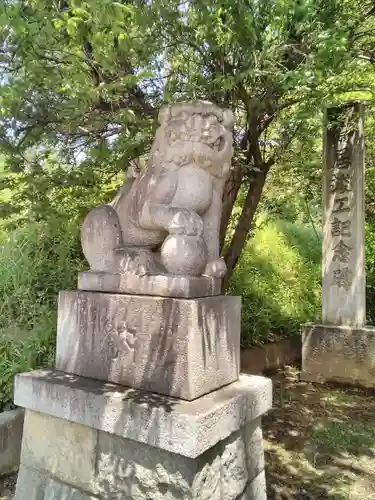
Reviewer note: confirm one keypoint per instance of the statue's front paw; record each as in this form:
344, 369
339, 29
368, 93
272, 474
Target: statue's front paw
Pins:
216, 269
186, 222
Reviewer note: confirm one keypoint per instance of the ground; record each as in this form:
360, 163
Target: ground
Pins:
7, 487
319, 441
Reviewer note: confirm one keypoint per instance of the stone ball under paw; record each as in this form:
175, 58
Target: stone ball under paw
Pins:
184, 255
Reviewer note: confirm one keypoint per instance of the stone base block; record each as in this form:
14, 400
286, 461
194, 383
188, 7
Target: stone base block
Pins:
338, 354
187, 428
162, 285
11, 424
86, 440
180, 347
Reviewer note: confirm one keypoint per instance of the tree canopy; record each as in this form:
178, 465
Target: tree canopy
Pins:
82, 82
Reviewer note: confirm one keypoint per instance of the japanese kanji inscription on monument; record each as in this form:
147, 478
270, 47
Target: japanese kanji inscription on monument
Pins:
343, 192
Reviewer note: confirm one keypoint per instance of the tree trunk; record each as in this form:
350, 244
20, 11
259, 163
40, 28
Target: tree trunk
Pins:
244, 224
232, 186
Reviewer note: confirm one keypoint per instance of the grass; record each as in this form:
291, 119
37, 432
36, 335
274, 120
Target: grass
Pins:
278, 278
320, 441
23, 353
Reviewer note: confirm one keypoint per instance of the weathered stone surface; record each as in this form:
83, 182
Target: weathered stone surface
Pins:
185, 287
136, 471
59, 491
133, 470
271, 356
242, 496
179, 347
338, 353
31, 484
34, 484
58, 446
253, 438
207, 483
257, 490
182, 427
344, 218
11, 424
234, 471
174, 204
76, 462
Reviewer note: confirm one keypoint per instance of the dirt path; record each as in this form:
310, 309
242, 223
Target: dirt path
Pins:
320, 441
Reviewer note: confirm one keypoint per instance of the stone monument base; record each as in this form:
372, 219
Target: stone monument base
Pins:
182, 348
86, 440
338, 354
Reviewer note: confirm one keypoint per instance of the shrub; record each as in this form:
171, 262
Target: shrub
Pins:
279, 279
36, 262
21, 355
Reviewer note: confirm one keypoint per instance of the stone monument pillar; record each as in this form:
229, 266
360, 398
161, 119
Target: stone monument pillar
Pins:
146, 401
344, 218
341, 348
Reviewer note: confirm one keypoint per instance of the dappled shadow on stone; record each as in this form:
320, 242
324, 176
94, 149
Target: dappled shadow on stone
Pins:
320, 441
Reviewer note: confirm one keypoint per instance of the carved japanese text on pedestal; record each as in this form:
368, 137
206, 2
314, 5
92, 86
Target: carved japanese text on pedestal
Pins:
180, 347
118, 340
343, 246
167, 219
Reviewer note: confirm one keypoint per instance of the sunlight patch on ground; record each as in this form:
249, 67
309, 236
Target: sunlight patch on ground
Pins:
319, 441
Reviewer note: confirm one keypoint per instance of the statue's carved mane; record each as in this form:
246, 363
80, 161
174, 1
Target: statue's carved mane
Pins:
177, 194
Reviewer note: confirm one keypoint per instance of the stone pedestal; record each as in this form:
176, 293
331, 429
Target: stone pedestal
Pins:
338, 353
342, 348
86, 439
180, 347
146, 401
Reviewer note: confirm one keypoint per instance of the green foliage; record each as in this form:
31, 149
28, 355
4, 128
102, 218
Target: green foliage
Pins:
21, 355
294, 186
278, 278
338, 436
55, 192
36, 262
84, 79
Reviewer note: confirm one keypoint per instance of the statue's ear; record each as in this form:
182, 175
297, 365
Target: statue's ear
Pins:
228, 119
164, 115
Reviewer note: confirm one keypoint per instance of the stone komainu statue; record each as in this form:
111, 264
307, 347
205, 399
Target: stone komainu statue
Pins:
167, 219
